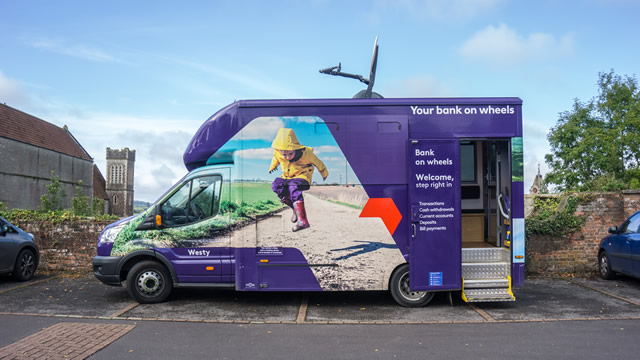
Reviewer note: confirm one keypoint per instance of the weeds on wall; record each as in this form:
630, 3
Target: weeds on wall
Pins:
554, 216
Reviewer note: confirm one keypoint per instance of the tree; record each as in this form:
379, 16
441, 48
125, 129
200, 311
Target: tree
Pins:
80, 203
596, 145
53, 200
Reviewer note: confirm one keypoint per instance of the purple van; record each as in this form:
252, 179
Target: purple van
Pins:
413, 196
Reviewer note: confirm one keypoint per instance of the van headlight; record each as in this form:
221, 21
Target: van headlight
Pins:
109, 235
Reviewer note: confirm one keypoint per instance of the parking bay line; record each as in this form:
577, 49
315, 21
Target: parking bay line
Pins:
481, 312
302, 312
604, 292
124, 310
24, 285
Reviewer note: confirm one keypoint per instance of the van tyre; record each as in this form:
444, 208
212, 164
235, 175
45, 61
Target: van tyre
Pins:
399, 288
149, 282
25, 266
604, 266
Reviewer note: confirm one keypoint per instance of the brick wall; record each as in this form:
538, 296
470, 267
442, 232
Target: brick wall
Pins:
66, 246
577, 253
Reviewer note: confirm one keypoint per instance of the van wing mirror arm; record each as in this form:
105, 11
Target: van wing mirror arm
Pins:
151, 221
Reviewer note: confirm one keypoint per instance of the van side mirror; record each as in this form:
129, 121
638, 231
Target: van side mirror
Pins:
613, 230
4, 230
152, 221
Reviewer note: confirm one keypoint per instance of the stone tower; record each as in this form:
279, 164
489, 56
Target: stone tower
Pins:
537, 183
119, 180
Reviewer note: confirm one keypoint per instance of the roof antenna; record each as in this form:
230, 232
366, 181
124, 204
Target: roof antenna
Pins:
362, 94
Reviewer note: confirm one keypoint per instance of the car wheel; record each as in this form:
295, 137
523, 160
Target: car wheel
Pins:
604, 265
25, 266
149, 282
399, 288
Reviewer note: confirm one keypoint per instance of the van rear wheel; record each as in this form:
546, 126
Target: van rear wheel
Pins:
399, 288
149, 282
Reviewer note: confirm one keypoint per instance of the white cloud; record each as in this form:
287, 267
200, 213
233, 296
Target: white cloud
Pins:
502, 45
11, 92
334, 158
81, 51
264, 128
262, 154
419, 86
326, 149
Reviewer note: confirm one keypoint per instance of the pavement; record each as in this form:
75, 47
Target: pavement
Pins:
85, 319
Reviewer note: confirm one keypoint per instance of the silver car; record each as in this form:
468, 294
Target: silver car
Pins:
19, 254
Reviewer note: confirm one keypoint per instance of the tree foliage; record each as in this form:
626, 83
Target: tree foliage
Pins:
596, 145
53, 200
80, 203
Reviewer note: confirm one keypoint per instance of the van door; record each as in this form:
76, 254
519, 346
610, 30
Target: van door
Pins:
434, 198
192, 215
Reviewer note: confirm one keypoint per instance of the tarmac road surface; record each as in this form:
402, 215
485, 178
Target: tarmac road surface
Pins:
552, 318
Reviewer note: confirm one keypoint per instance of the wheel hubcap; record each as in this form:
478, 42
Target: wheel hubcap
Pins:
603, 265
26, 265
150, 282
406, 292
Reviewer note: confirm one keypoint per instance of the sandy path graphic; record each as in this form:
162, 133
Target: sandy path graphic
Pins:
362, 248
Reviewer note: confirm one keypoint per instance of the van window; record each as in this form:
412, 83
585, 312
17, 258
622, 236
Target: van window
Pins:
196, 200
468, 162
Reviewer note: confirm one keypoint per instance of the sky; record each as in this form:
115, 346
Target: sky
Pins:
146, 74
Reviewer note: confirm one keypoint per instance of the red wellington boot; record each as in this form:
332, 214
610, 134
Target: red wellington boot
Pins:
294, 216
299, 209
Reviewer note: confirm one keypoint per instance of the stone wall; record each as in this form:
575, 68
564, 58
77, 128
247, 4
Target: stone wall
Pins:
66, 246
577, 253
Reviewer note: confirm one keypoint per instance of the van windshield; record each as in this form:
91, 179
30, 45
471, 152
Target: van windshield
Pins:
196, 199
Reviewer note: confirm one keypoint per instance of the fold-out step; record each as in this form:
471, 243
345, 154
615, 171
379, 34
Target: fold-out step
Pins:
479, 295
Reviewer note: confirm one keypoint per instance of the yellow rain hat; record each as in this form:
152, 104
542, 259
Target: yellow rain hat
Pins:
286, 139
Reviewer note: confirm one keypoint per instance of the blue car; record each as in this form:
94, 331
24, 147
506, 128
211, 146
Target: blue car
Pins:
19, 254
620, 251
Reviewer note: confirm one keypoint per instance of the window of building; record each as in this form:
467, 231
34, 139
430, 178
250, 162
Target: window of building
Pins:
117, 174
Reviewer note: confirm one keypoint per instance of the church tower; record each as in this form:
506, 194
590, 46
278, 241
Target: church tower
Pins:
120, 164
537, 183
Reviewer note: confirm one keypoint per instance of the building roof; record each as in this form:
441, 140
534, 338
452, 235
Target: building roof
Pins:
99, 184
20, 126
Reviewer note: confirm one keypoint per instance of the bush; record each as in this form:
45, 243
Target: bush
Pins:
555, 217
80, 203
53, 200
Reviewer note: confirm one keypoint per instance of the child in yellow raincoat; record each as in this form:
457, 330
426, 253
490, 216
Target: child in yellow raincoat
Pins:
297, 163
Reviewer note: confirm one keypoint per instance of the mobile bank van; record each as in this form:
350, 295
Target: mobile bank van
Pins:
414, 196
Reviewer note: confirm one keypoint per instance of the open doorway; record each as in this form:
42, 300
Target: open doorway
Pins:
485, 180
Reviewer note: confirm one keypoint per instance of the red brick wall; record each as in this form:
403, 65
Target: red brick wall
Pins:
577, 253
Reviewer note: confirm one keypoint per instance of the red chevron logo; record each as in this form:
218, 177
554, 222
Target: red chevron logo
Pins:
385, 209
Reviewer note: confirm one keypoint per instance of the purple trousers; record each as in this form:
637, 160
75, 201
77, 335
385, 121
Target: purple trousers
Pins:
289, 189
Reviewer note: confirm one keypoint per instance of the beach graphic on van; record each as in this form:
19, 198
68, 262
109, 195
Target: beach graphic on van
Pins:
285, 183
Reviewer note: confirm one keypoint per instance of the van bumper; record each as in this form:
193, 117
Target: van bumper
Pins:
105, 268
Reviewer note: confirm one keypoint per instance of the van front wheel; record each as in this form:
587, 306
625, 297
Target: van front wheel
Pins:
399, 288
149, 282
